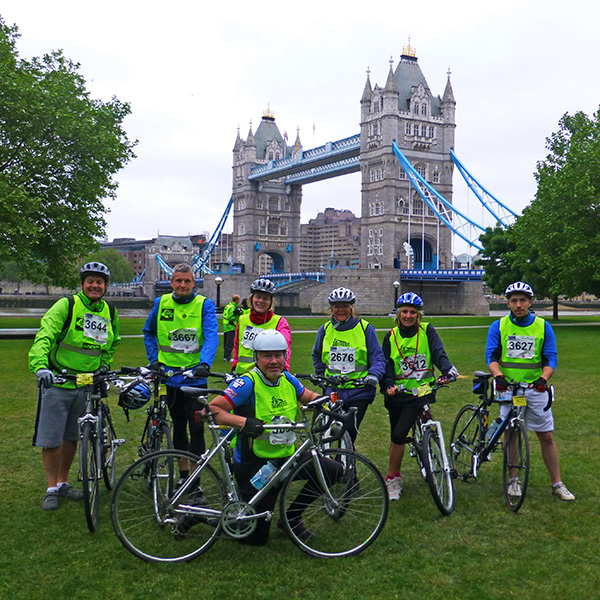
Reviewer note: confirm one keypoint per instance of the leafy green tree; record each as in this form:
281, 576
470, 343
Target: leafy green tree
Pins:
59, 150
120, 270
555, 244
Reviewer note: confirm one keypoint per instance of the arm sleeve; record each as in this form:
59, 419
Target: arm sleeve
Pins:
493, 349
375, 357
549, 351
284, 327
317, 350
438, 352
210, 331
109, 353
389, 376
149, 330
47, 336
236, 340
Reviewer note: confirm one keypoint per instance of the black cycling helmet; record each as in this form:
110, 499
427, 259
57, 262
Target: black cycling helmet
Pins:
263, 285
94, 268
135, 395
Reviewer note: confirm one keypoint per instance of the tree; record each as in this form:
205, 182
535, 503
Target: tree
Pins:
59, 150
120, 270
555, 244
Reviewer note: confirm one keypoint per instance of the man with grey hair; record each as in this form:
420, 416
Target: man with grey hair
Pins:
181, 333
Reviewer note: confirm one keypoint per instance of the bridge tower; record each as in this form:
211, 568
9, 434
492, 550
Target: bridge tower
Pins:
266, 215
393, 213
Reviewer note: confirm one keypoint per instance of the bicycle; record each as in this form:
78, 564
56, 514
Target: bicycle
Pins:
428, 447
471, 444
169, 524
335, 406
98, 442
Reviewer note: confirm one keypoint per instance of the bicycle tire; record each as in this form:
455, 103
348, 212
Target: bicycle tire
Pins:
345, 527
438, 478
519, 460
90, 475
464, 441
108, 457
143, 520
417, 446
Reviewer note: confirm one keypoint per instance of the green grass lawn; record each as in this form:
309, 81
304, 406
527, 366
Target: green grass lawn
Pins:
549, 549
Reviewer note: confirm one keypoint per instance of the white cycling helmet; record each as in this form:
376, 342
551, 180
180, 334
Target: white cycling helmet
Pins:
269, 340
519, 287
342, 294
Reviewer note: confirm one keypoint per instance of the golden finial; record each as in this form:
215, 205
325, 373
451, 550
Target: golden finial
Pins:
409, 50
269, 114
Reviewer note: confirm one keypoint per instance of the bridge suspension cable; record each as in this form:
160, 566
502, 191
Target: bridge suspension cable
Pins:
444, 211
497, 209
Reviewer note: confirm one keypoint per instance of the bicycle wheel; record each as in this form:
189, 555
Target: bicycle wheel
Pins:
464, 441
155, 528
417, 448
438, 478
516, 464
345, 523
108, 450
90, 474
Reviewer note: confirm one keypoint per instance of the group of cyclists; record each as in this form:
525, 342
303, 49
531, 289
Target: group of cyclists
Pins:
81, 334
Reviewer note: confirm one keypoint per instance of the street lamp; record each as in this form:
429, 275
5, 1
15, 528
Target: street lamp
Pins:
396, 285
218, 281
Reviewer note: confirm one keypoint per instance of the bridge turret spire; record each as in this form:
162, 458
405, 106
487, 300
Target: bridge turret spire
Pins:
368, 91
390, 84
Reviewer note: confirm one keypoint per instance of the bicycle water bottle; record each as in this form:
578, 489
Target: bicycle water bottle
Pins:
263, 475
492, 428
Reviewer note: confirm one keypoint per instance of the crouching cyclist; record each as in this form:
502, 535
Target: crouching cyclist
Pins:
264, 392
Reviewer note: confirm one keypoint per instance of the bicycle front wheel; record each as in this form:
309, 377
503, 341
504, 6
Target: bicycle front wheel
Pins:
340, 516
108, 449
89, 462
464, 441
153, 526
438, 478
516, 465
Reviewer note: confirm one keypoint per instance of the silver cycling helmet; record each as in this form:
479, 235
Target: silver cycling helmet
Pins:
263, 285
94, 268
519, 287
410, 299
269, 340
342, 294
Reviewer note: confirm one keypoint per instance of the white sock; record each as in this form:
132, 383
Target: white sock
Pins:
53, 488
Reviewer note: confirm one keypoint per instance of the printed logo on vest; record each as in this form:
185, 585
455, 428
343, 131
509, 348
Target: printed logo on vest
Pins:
166, 314
337, 342
79, 323
277, 402
88, 346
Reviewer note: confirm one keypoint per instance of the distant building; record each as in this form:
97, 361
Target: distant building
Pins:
329, 241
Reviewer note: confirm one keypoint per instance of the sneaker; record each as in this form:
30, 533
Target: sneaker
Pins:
562, 492
394, 487
69, 492
50, 501
298, 528
514, 488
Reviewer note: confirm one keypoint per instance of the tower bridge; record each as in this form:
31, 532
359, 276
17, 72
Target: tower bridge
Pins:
405, 154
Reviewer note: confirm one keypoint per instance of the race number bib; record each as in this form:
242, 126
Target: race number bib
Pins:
95, 327
185, 340
413, 367
249, 334
281, 436
342, 359
520, 346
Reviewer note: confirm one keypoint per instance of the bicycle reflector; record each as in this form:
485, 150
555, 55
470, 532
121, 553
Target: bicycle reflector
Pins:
135, 395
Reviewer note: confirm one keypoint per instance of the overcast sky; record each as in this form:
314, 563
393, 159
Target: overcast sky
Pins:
195, 71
